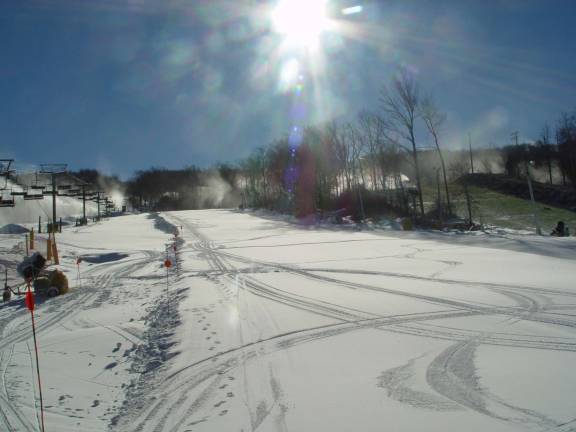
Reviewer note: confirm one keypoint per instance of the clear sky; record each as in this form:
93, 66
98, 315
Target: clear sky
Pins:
122, 85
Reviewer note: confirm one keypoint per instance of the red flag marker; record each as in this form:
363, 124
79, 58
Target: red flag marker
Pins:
29, 301
167, 264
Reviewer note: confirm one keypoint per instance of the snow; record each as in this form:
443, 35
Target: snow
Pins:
270, 325
13, 229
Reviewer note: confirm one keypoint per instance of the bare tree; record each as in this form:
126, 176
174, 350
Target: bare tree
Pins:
337, 136
401, 109
372, 134
356, 152
434, 120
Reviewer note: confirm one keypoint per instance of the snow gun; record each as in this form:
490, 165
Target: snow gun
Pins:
47, 283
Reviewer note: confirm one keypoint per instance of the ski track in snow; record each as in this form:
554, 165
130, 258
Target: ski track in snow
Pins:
15, 328
177, 400
450, 375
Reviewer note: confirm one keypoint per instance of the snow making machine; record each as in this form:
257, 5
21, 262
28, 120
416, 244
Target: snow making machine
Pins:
47, 283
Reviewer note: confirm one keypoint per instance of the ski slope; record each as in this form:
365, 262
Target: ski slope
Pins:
271, 326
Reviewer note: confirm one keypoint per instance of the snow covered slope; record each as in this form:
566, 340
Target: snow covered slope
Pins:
270, 326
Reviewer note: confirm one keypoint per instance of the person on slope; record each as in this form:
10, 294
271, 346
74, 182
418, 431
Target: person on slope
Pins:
560, 231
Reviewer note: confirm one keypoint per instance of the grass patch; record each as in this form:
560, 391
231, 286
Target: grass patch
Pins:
494, 208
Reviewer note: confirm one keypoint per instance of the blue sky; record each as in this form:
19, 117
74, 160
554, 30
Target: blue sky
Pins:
122, 85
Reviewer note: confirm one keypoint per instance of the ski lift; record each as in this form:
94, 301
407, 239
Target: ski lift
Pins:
65, 187
18, 193
46, 192
31, 197
36, 185
7, 202
74, 191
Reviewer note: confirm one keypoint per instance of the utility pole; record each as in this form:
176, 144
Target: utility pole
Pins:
53, 170
533, 201
84, 220
471, 158
98, 202
515, 136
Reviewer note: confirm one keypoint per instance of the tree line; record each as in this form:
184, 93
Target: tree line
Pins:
361, 167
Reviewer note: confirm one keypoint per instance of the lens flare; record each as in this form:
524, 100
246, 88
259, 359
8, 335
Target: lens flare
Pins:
289, 74
301, 21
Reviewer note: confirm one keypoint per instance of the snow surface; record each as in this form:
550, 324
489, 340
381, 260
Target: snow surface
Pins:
271, 326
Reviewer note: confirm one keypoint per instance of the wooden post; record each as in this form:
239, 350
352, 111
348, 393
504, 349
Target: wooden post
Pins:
55, 251
49, 247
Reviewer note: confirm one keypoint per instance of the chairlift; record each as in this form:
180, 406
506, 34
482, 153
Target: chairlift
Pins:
36, 185
7, 202
18, 193
74, 191
47, 192
65, 187
30, 197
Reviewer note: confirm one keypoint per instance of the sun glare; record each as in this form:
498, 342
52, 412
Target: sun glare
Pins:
301, 21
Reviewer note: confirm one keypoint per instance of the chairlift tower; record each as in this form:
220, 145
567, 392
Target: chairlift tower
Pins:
84, 185
5, 165
53, 170
5, 171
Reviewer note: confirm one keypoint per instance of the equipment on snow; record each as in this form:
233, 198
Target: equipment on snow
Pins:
48, 283
7, 294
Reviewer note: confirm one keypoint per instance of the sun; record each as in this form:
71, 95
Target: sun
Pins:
301, 22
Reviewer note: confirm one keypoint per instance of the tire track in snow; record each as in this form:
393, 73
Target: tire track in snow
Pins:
70, 306
527, 307
396, 381
180, 383
452, 374
524, 301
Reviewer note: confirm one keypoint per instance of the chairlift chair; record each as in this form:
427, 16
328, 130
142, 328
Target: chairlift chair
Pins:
65, 187
31, 197
18, 193
36, 185
6, 202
